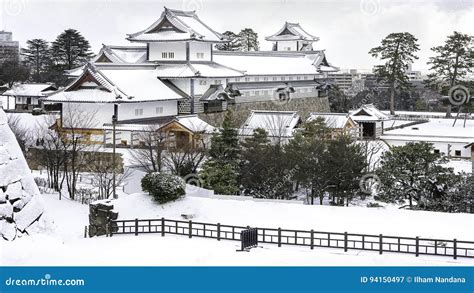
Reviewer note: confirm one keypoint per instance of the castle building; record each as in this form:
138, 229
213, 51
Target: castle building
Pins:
172, 69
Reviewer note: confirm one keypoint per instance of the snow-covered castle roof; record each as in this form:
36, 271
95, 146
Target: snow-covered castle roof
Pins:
292, 32
114, 85
177, 25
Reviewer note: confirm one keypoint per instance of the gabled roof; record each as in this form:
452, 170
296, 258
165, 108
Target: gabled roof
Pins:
215, 92
114, 85
292, 32
333, 120
177, 25
121, 54
274, 62
30, 89
192, 123
276, 123
195, 69
368, 113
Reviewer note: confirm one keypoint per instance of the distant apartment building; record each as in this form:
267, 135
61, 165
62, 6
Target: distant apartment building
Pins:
350, 82
9, 49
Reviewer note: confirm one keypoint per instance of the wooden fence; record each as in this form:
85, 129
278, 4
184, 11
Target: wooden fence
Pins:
380, 243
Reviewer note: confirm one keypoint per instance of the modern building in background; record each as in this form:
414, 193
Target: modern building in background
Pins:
9, 49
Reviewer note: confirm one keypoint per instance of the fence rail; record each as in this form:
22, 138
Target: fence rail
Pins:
380, 243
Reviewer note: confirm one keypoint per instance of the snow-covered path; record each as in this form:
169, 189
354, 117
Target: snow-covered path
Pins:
65, 245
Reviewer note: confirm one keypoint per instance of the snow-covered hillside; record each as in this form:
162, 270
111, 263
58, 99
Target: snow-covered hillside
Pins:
65, 245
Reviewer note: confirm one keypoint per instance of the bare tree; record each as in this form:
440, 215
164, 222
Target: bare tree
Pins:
22, 134
76, 133
149, 153
50, 151
103, 179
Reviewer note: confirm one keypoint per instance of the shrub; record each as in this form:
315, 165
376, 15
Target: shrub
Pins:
163, 187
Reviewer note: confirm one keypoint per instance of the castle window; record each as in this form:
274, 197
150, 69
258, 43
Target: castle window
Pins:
159, 110
200, 55
202, 82
138, 112
167, 55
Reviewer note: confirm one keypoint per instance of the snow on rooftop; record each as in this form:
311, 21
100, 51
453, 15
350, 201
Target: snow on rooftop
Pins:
117, 84
333, 120
368, 112
276, 123
174, 25
29, 89
435, 130
269, 63
291, 31
141, 84
195, 124
209, 69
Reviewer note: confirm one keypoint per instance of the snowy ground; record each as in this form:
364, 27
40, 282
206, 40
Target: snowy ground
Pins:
64, 243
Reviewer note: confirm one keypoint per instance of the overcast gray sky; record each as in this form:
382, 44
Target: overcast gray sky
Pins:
347, 29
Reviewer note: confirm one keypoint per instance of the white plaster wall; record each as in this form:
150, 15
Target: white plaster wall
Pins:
443, 147
199, 47
179, 49
127, 110
281, 45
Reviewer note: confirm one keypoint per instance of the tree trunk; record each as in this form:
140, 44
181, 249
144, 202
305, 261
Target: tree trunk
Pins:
392, 98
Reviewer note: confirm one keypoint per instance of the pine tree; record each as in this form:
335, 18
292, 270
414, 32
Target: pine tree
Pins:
70, 49
37, 57
398, 51
453, 61
344, 163
413, 172
249, 40
220, 171
233, 44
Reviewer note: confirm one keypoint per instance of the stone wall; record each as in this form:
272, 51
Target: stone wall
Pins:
241, 111
20, 199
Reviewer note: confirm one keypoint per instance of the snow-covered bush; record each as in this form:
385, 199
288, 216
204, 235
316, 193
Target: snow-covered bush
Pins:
164, 187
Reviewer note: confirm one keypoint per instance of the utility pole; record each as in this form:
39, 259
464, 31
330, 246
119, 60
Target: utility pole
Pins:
114, 121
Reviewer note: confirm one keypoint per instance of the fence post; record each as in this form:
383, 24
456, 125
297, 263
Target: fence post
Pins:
149, 226
85, 231
312, 239
190, 228
136, 226
345, 241
455, 248
417, 246
279, 237
218, 231
162, 227
380, 244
